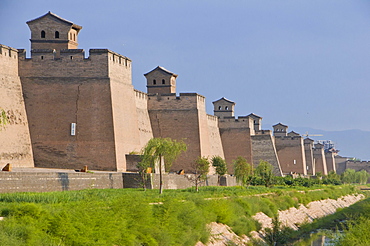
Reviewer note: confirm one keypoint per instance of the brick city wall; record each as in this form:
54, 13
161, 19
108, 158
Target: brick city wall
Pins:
263, 148
45, 182
95, 93
144, 126
182, 118
236, 139
15, 137
290, 151
320, 161
64, 181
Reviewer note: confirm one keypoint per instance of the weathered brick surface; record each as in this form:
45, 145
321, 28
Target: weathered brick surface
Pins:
330, 161
236, 140
290, 150
61, 181
308, 151
263, 148
144, 126
320, 161
184, 118
15, 143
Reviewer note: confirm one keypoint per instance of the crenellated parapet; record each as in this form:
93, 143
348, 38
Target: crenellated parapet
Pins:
185, 101
358, 165
241, 122
72, 63
9, 60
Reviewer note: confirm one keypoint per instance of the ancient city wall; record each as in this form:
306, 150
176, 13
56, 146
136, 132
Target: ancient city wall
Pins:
214, 137
236, 139
320, 161
61, 181
359, 165
308, 151
15, 143
181, 125
263, 148
184, 118
145, 129
125, 120
185, 101
53, 104
330, 162
290, 151
74, 90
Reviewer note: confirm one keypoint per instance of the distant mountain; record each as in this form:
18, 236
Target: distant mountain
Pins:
351, 143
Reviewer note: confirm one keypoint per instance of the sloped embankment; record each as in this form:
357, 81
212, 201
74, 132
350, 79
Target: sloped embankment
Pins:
292, 217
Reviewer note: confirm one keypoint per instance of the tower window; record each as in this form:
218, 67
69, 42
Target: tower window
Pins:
42, 34
70, 36
154, 82
219, 107
226, 108
163, 81
74, 37
56, 34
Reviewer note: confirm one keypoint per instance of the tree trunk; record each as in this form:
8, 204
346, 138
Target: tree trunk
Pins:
160, 176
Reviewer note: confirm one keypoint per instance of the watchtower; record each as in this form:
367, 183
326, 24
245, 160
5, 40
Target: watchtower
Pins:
160, 81
280, 130
53, 32
256, 121
223, 108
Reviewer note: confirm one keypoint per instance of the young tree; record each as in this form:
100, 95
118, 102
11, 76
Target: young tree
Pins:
220, 165
264, 170
200, 169
159, 149
3, 119
348, 176
243, 171
143, 167
362, 177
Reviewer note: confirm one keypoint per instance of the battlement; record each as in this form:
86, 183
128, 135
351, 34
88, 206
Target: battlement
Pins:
7, 51
358, 163
8, 60
290, 137
263, 132
240, 122
140, 95
72, 63
212, 117
185, 101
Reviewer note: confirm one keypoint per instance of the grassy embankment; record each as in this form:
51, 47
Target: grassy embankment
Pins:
351, 224
134, 217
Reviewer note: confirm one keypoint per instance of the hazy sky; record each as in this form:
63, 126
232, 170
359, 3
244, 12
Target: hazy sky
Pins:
299, 62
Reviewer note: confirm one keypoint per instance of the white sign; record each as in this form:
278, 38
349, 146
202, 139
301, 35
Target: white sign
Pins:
73, 129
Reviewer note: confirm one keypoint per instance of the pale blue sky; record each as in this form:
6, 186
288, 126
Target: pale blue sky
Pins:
299, 62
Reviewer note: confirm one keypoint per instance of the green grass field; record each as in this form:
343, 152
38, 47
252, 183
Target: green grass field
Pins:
135, 217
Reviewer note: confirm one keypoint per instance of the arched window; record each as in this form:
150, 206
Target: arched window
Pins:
154, 82
56, 34
70, 36
74, 37
42, 34
226, 108
163, 81
219, 107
